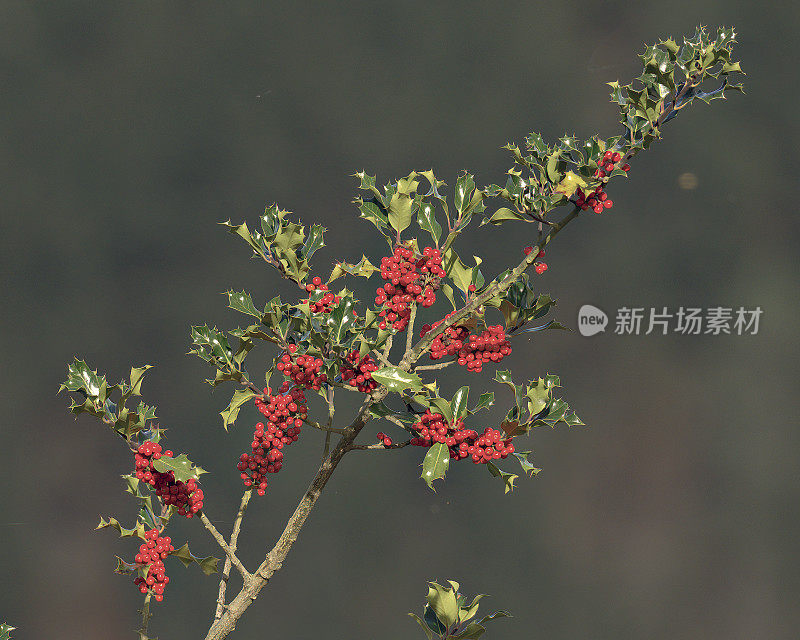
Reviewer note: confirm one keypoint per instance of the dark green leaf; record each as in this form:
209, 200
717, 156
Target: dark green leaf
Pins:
242, 302
113, 523
396, 379
507, 478
527, 467
436, 463
208, 565
240, 397
459, 403
181, 466
484, 402
341, 320
314, 242
427, 631
426, 219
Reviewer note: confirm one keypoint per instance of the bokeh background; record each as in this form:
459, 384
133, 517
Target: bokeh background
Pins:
130, 129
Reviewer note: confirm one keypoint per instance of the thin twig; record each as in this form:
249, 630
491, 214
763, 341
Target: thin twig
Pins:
246, 576
146, 615
375, 447
274, 560
331, 407
431, 367
327, 448
226, 571
410, 328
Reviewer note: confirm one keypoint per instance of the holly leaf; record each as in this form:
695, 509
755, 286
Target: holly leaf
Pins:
527, 468
341, 320
314, 242
507, 478
442, 406
239, 399
396, 379
569, 185
5, 631
208, 565
459, 403
137, 532
504, 214
242, 302
435, 464
181, 466
426, 219
511, 428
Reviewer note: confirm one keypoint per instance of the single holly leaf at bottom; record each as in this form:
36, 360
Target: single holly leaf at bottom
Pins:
436, 463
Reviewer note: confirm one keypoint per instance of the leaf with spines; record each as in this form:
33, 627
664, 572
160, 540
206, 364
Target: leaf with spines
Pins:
464, 190
396, 379
81, 378
401, 203
231, 412
484, 402
507, 478
435, 464
363, 268
342, 320
112, 523
181, 466
242, 301
527, 468
5, 631
314, 242
208, 564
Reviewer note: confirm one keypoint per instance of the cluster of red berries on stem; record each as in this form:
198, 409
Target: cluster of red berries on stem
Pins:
409, 280
598, 199
187, 497
385, 440
284, 413
302, 369
325, 302
472, 351
359, 375
153, 552
462, 442
540, 267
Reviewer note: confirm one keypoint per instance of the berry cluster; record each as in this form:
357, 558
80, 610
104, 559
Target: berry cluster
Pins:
302, 369
153, 552
598, 199
462, 442
408, 281
186, 496
385, 440
325, 302
284, 413
491, 345
540, 267
359, 375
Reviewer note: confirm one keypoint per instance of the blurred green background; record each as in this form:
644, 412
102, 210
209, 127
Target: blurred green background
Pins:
130, 129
